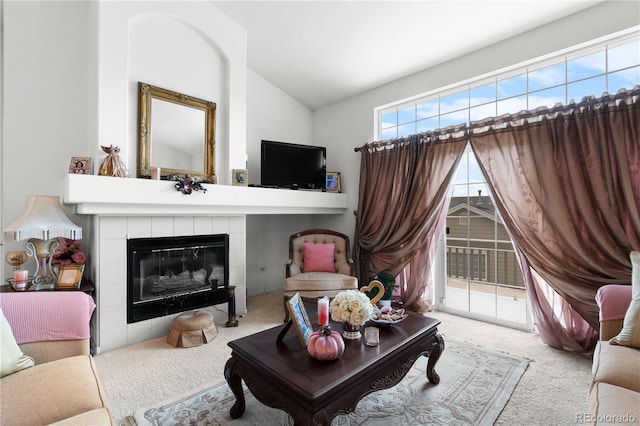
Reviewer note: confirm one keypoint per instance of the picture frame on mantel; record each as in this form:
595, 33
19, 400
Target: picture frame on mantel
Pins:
80, 165
333, 182
239, 177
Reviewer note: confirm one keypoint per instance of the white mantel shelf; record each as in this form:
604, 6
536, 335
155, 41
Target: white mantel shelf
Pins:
110, 196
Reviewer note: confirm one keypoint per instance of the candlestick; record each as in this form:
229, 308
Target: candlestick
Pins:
323, 311
371, 336
20, 280
155, 173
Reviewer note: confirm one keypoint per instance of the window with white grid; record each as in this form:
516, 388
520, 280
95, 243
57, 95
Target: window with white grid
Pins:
605, 67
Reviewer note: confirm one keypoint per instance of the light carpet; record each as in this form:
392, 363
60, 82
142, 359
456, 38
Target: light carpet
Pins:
148, 373
475, 386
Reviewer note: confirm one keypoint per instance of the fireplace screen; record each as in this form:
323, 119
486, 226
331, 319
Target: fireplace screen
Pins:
175, 274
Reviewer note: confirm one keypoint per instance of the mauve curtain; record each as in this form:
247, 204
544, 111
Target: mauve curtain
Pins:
403, 187
566, 182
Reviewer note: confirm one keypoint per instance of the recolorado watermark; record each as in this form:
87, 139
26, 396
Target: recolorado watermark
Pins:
605, 418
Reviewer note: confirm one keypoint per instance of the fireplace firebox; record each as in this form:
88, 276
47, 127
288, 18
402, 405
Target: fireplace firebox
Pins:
168, 275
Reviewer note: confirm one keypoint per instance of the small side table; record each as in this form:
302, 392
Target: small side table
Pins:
85, 285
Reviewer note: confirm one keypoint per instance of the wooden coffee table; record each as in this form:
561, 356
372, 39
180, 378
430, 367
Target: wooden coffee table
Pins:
284, 376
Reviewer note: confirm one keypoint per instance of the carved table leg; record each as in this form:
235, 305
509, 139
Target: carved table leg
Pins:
320, 418
235, 383
436, 350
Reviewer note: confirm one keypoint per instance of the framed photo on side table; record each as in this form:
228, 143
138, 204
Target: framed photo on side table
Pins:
69, 276
80, 165
333, 182
298, 315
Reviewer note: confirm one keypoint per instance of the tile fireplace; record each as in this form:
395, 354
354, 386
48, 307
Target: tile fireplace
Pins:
113, 235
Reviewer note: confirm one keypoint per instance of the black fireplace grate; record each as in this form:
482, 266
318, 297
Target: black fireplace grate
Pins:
168, 275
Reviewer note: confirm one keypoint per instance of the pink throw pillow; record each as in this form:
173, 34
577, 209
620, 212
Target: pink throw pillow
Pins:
319, 257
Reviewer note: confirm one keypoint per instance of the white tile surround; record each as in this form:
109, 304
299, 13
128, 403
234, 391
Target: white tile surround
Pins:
141, 208
111, 234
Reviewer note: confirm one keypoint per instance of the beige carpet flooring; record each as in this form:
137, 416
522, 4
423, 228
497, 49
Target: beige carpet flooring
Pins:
476, 385
552, 391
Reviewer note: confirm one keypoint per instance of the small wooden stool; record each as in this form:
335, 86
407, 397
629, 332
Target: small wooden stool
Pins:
192, 329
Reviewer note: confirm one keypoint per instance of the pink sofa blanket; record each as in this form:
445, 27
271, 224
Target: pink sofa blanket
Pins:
48, 315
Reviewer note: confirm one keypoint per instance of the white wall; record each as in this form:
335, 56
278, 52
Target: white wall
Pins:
271, 115
46, 101
354, 117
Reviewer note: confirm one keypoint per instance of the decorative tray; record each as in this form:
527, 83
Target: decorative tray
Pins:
388, 316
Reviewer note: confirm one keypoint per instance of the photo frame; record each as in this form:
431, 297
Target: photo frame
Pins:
239, 177
333, 182
298, 315
69, 277
80, 165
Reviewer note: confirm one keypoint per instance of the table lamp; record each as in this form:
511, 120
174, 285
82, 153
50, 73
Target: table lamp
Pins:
41, 222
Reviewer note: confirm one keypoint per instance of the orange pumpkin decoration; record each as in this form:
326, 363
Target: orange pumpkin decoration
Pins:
325, 344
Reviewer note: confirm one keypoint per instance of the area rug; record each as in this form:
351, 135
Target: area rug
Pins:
475, 385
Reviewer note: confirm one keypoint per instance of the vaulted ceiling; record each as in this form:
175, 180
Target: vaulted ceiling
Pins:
320, 52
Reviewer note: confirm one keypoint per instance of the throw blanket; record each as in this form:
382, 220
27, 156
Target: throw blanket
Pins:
66, 314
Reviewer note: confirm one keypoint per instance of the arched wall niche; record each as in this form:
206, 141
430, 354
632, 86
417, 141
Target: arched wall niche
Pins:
173, 54
212, 51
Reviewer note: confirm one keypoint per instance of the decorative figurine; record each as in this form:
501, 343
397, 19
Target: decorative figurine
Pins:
112, 165
187, 184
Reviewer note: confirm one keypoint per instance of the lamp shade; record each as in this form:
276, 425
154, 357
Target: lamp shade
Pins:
42, 218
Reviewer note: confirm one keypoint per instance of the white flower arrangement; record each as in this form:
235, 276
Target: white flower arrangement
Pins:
351, 306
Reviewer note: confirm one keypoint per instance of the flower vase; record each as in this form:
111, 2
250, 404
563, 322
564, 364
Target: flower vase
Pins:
351, 331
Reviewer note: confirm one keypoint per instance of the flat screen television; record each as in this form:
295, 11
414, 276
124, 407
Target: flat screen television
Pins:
288, 165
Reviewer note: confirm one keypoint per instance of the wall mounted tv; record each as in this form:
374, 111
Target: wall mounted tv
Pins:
288, 165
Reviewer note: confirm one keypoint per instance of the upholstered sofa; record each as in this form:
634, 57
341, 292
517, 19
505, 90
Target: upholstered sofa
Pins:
615, 386
48, 374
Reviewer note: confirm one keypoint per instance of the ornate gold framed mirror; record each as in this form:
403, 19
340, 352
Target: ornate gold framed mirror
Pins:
176, 133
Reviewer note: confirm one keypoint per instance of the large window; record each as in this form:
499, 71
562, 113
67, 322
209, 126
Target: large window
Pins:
606, 67
481, 275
